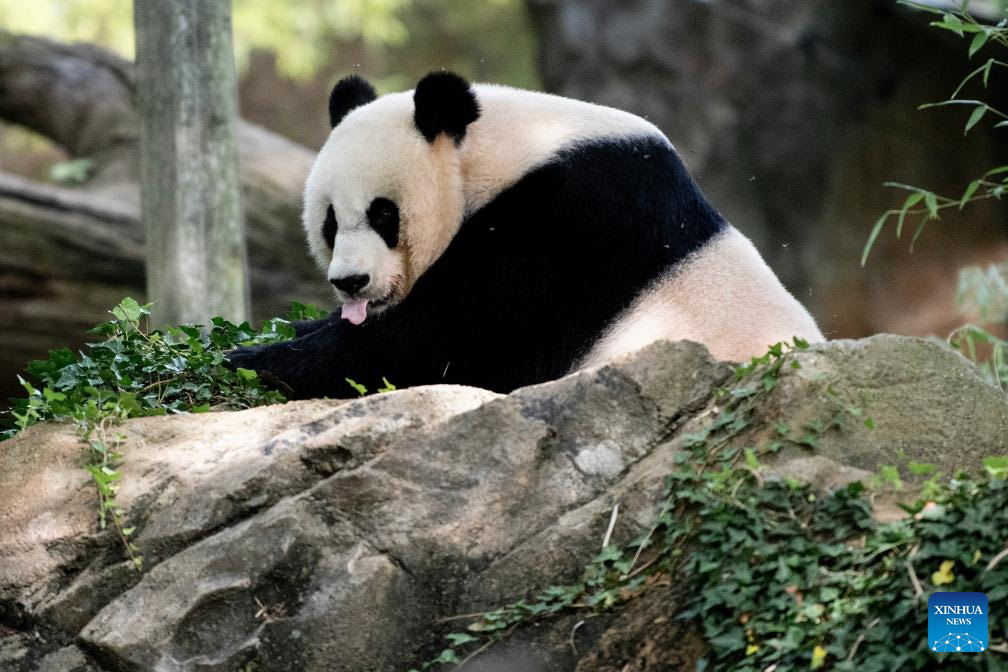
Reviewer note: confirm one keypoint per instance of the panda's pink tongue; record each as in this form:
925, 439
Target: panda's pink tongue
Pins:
354, 312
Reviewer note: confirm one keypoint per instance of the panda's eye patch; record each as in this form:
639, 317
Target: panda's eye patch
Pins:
329, 227
383, 216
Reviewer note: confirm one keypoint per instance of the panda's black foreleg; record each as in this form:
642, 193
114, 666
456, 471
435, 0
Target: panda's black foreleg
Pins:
311, 365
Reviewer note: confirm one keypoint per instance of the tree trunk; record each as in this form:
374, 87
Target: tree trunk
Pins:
188, 98
67, 255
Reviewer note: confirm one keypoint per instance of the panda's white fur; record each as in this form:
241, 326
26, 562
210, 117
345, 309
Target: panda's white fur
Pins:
725, 296
353, 167
519, 130
717, 291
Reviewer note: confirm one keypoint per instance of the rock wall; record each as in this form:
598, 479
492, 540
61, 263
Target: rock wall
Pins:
324, 535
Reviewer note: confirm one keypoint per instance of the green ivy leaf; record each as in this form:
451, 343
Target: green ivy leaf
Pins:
997, 467
246, 374
459, 638
128, 310
75, 171
361, 390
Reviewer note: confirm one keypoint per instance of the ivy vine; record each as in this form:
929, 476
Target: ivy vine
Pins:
780, 576
132, 371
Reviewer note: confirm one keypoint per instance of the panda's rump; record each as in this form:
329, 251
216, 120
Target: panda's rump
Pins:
723, 296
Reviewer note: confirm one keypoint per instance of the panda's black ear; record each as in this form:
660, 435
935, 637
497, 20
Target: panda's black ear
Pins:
444, 103
349, 92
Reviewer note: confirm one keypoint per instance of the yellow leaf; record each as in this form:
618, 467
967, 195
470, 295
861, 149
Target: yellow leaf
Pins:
944, 574
818, 657
751, 649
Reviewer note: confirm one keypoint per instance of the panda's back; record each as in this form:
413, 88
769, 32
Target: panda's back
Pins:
518, 131
545, 266
599, 241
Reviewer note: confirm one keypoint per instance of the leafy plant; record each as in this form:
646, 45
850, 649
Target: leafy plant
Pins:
789, 577
76, 171
131, 372
985, 290
777, 575
174, 370
363, 391
925, 205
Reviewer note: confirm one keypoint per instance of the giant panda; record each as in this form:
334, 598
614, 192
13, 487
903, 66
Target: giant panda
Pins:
495, 237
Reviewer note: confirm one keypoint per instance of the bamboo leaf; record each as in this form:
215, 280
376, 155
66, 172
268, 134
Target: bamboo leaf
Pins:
975, 118
959, 28
911, 200
950, 22
979, 40
968, 194
905, 187
876, 230
931, 201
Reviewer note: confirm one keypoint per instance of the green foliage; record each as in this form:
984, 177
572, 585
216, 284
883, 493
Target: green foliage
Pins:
296, 31
984, 290
782, 572
489, 40
363, 391
302, 33
130, 372
76, 171
923, 204
178, 369
107, 22
304, 311
96, 428
993, 361
777, 575
360, 389
997, 467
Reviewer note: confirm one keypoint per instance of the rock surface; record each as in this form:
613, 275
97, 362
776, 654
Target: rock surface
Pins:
325, 535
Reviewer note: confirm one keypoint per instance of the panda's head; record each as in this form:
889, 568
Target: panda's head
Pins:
384, 197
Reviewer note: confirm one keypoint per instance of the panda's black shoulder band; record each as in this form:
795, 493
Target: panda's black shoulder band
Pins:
349, 93
444, 103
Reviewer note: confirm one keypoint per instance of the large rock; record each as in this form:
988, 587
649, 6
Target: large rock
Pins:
326, 535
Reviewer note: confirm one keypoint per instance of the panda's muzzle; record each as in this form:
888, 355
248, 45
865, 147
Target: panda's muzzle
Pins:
351, 284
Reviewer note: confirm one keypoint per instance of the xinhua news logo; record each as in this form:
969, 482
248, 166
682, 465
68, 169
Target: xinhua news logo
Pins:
957, 622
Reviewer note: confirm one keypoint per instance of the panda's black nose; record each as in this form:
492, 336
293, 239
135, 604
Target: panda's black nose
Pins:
351, 284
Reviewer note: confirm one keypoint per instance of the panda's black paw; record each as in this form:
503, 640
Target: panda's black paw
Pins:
243, 358
256, 359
